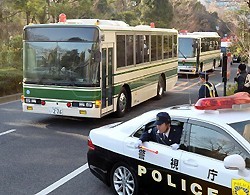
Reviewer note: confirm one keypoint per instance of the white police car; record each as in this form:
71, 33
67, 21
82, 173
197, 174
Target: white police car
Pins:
213, 158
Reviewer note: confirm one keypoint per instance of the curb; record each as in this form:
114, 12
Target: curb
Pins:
10, 98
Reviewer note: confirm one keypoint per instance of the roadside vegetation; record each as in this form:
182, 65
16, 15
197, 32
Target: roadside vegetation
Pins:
14, 15
231, 88
10, 81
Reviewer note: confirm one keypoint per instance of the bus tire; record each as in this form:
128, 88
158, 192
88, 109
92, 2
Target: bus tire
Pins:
160, 88
123, 179
122, 103
214, 64
201, 66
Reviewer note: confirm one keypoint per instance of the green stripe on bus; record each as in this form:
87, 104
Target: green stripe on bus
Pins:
134, 85
61, 94
90, 95
187, 64
147, 67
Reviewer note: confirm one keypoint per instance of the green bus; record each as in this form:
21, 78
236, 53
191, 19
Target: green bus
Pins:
90, 67
198, 51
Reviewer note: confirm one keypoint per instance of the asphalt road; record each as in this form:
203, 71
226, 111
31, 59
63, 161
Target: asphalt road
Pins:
44, 154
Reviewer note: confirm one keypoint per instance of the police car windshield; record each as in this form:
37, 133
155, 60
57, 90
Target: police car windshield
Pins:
243, 128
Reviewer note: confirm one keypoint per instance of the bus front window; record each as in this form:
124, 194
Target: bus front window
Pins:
186, 48
61, 62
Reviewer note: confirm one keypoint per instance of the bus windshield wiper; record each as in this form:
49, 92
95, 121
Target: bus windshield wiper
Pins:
182, 54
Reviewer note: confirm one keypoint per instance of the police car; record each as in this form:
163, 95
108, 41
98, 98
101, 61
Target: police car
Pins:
213, 157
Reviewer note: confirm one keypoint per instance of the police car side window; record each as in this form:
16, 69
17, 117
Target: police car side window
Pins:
214, 144
146, 127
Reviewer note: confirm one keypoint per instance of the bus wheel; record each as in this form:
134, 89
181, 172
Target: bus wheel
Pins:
160, 88
123, 180
122, 103
201, 66
214, 64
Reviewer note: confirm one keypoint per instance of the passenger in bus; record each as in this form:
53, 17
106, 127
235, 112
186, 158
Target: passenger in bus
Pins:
207, 88
163, 132
240, 78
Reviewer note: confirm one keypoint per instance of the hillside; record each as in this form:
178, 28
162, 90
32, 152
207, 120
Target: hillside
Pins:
191, 15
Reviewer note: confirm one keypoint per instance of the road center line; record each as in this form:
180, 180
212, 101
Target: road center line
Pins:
6, 132
63, 180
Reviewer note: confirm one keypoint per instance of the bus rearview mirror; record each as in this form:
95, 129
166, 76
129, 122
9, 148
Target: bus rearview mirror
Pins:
97, 57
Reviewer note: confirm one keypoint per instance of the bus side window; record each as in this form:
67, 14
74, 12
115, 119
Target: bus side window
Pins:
165, 47
130, 49
120, 41
146, 48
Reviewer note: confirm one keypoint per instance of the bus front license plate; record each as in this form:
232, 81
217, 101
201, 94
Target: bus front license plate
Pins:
56, 111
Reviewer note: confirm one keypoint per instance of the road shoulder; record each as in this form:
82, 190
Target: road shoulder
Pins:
10, 98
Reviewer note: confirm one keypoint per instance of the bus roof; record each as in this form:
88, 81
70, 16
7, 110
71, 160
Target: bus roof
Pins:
207, 34
96, 22
189, 35
104, 25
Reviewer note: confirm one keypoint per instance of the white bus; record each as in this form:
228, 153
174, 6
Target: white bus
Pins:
198, 51
90, 67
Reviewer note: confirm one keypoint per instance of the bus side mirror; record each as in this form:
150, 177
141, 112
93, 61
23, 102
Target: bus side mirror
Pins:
195, 45
97, 56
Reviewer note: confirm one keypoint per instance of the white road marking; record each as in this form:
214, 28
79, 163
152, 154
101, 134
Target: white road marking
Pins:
63, 180
217, 85
184, 88
6, 132
4, 103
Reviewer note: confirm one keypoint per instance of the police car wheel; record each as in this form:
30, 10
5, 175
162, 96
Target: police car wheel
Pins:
160, 88
122, 103
123, 180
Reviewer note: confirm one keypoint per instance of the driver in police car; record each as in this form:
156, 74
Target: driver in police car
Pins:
162, 133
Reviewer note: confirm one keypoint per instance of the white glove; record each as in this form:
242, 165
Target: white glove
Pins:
138, 143
175, 146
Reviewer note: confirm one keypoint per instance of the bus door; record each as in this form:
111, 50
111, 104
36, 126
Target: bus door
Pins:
107, 77
197, 50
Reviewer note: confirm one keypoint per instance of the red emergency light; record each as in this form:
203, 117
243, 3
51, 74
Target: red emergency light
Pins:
62, 17
183, 32
223, 102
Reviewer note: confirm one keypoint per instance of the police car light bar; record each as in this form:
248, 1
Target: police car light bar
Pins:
223, 102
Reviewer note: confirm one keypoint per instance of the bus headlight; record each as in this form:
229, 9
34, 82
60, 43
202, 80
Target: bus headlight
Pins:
89, 105
82, 104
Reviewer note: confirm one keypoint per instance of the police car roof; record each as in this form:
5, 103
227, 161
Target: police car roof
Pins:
225, 116
221, 117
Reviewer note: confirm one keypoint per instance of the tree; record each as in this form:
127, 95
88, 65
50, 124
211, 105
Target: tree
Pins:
240, 30
31, 8
160, 12
72, 8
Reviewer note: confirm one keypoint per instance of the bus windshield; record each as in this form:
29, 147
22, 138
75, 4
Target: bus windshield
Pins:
67, 59
186, 49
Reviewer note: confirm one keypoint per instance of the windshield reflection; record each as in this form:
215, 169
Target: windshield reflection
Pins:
242, 128
186, 49
61, 63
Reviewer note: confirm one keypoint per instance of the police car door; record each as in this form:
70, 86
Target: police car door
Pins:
157, 165
202, 162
